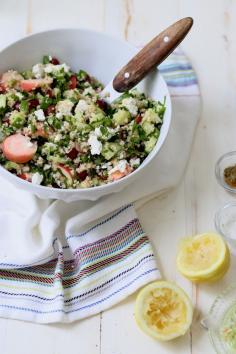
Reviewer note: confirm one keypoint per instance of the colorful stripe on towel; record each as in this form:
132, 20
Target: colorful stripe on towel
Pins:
179, 75
100, 270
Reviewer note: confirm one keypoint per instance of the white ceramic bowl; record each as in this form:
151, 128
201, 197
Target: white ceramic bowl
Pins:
101, 56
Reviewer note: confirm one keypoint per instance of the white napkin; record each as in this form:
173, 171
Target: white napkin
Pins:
66, 261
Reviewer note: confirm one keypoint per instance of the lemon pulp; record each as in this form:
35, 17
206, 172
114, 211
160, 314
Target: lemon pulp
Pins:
163, 310
200, 254
204, 257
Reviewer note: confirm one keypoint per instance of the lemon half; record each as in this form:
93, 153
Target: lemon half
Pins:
163, 310
204, 257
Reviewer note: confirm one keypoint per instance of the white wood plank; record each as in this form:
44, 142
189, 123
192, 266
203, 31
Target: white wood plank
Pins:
212, 56
67, 13
116, 17
19, 337
13, 19
148, 18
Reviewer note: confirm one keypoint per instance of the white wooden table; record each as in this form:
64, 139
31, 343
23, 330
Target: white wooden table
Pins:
189, 209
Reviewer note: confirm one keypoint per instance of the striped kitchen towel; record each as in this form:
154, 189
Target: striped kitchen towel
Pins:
87, 273
61, 262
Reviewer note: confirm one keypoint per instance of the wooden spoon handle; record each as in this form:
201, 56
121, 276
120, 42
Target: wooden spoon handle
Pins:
152, 55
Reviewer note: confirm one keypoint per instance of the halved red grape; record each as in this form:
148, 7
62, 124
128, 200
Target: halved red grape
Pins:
72, 154
49, 93
73, 82
82, 175
33, 103
123, 134
50, 109
102, 104
138, 119
54, 61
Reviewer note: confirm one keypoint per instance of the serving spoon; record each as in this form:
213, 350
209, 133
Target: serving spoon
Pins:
153, 54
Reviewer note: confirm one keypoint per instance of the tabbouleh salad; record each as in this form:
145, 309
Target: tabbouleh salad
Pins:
56, 130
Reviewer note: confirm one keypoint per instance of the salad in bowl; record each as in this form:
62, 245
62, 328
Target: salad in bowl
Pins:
56, 130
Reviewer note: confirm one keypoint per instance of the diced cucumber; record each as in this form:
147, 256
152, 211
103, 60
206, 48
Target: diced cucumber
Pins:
24, 106
151, 116
148, 127
110, 150
121, 117
149, 145
97, 117
46, 59
17, 119
82, 75
3, 101
9, 165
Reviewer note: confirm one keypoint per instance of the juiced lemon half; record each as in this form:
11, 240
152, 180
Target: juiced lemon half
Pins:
203, 258
163, 310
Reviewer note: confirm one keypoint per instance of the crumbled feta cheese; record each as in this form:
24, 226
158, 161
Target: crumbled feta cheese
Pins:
19, 95
95, 144
106, 166
40, 115
81, 107
131, 105
40, 161
46, 167
121, 166
66, 126
71, 94
37, 178
89, 90
97, 132
38, 71
64, 107
135, 162
65, 67
57, 137
50, 68
59, 115
111, 130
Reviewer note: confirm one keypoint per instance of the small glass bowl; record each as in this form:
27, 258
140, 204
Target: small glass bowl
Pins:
226, 160
213, 321
225, 223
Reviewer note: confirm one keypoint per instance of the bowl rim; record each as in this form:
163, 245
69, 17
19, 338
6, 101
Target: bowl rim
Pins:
107, 186
218, 175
